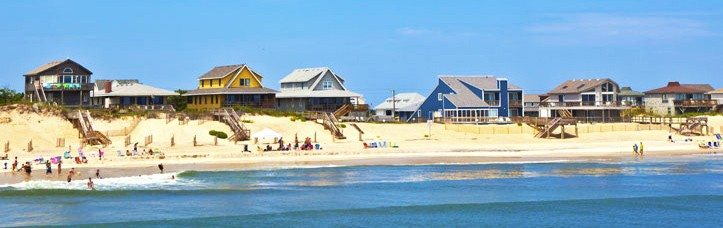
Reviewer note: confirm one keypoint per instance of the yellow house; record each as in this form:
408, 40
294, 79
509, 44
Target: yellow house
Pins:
230, 85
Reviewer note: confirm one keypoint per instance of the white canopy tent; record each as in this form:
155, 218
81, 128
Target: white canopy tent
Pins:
266, 135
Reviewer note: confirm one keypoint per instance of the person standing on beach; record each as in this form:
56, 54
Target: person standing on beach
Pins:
48, 168
59, 164
135, 149
97, 174
15, 164
635, 149
71, 174
641, 148
160, 166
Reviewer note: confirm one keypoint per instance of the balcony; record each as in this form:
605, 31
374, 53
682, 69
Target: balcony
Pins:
516, 103
493, 102
581, 104
62, 87
695, 103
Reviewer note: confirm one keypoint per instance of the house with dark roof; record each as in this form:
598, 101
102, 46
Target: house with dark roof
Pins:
676, 98
471, 99
63, 82
121, 93
230, 85
315, 89
588, 100
629, 97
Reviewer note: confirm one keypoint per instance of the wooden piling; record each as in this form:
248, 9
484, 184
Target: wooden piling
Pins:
215, 140
30, 146
194, 141
173, 141
563, 131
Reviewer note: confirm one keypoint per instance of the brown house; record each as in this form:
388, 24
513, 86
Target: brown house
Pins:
64, 82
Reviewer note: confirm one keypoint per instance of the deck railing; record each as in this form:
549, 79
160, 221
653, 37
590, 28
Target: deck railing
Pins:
695, 103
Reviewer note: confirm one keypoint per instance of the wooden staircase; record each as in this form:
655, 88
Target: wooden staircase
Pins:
40, 92
546, 126
84, 123
343, 110
331, 123
694, 125
232, 119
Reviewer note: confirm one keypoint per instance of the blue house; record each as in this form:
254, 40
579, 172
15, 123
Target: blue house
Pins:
471, 99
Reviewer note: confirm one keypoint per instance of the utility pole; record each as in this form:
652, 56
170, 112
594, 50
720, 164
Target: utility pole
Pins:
394, 104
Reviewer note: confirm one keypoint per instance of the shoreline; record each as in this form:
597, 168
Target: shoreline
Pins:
275, 160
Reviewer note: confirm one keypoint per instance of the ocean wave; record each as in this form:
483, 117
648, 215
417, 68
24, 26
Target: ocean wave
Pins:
660, 210
142, 182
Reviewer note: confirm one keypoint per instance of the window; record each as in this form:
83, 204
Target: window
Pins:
245, 82
326, 85
67, 70
219, 82
680, 96
203, 83
68, 79
439, 96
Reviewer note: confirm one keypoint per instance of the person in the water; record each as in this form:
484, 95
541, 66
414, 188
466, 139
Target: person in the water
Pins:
91, 186
97, 173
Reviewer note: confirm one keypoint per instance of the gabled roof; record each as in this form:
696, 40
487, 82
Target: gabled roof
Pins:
128, 88
405, 102
223, 71
579, 85
50, 65
717, 91
628, 92
531, 97
306, 74
303, 74
676, 87
463, 96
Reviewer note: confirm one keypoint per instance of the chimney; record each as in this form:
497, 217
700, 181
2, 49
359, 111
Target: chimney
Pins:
108, 86
670, 84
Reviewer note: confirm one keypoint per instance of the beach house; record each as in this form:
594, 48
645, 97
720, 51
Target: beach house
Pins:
587, 100
676, 98
399, 107
629, 97
64, 82
471, 99
717, 95
316, 89
532, 104
230, 85
129, 93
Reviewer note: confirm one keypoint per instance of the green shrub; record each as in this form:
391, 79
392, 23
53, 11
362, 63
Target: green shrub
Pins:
221, 135
247, 121
342, 125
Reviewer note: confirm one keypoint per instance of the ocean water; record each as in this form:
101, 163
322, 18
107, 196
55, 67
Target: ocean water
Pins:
685, 192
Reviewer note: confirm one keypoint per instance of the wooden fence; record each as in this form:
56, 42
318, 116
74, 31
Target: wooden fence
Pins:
125, 131
524, 129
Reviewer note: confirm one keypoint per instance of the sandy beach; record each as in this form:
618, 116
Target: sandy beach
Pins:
415, 146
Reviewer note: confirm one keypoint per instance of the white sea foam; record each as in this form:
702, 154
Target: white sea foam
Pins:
143, 182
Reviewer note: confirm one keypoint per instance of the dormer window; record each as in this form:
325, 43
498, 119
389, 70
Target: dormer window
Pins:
67, 70
326, 85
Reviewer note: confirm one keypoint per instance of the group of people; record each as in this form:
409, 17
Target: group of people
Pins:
638, 150
135, 151
307, 145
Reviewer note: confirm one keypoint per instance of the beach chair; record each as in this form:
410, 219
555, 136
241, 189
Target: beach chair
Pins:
702, 145
120, 153
317, 146
717, 136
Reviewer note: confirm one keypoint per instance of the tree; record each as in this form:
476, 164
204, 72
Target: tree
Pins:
178, 101
9, 96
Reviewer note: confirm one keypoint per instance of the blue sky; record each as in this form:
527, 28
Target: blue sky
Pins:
375, 45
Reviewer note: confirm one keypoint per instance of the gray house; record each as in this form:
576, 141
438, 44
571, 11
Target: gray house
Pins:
314, 89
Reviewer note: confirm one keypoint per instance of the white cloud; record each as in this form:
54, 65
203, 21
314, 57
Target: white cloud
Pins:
609, 28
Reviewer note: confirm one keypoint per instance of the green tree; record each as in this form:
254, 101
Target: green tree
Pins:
9, 96
179, 102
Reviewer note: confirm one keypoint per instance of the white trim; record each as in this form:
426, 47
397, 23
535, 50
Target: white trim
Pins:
321, 75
